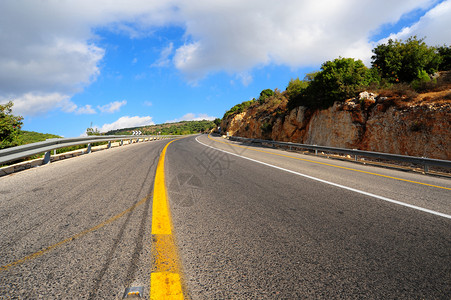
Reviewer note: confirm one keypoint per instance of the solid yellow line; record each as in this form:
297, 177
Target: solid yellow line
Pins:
161, 222
334, 166
78, 235
165, 282
165, 286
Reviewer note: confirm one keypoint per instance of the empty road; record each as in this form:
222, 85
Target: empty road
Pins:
246, 223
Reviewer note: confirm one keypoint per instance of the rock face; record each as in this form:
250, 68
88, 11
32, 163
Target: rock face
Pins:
363, 123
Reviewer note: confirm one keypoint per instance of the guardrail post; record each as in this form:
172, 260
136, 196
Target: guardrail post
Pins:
426, 168
131, 142
46, 158
316, 151
122, 143
109, 144
54, 152
89, 148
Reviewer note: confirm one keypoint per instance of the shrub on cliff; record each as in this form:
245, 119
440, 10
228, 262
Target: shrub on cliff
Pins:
400, 61
338, 80
445, 53
265, 94
9, 126
239, 108
296, 87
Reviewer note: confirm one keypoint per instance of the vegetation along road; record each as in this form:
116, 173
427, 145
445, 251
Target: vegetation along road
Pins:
205, 218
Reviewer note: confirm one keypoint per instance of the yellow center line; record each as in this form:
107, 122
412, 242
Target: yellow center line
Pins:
331, 165
76, 236
165, 282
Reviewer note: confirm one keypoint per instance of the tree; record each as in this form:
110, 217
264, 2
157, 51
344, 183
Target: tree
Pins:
265, 94
10, 126
217, 121
445, 53
295, 87
338, 80
403, 61
93, 131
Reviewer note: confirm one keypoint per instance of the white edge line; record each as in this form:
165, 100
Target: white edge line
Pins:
336, 184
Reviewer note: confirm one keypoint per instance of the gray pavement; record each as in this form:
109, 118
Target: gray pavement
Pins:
243, 230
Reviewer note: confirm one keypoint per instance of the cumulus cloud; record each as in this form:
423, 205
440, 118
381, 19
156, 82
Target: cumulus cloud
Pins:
31, 104
112, 107
49, 49
236, 36
127, 122
192, 117
431, 26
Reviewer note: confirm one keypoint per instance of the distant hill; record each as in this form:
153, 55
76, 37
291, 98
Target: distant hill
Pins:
28, 137
182, 128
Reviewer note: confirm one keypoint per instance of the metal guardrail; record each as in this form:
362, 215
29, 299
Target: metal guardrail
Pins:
423, 161
19, 152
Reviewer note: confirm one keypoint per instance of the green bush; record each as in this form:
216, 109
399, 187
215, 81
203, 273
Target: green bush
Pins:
338, 80
239, 108
295, 87
9, 126
423, 81
402, 61
28, 137
265, 94
445, 54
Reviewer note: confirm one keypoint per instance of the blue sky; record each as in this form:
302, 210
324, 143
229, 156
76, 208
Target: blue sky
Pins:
114, 64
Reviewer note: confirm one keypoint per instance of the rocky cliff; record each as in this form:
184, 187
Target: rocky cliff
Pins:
392, 125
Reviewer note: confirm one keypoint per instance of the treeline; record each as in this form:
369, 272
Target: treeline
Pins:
408, 66
180, 128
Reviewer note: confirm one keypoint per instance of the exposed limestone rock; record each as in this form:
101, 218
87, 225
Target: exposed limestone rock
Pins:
363, 123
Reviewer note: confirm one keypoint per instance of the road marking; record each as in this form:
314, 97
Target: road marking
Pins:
165, 285
336, 184
78, 235
165, 282
334, 166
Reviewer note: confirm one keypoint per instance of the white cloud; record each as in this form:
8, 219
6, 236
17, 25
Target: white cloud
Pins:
431, 26
85, 110
127, 122
49, 53
163, 60
30, 104
48, 50
192, 117
147, 103
112, 107
236, 36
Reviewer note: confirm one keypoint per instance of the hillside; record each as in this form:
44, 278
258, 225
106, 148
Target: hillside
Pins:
28, 137
395, 120
182, 128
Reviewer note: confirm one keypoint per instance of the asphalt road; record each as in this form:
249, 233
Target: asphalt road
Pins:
294, 227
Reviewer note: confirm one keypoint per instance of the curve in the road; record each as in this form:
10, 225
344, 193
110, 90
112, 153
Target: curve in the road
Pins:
335, 184
334, 166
